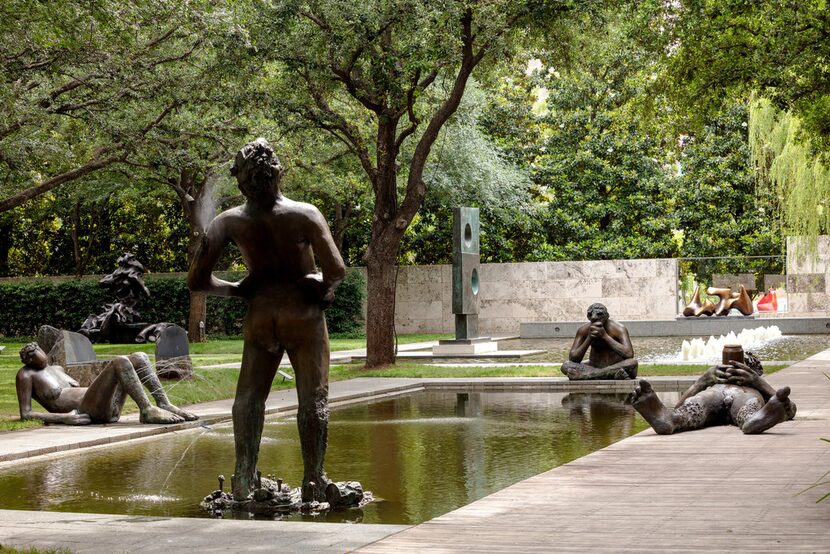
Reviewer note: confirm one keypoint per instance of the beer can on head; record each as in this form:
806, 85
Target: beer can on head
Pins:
732, 353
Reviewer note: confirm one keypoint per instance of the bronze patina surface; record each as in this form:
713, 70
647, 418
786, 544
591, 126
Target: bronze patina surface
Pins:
279, 240
611, 357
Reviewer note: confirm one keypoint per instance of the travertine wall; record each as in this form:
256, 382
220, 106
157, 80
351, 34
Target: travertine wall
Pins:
808, 278
543, 291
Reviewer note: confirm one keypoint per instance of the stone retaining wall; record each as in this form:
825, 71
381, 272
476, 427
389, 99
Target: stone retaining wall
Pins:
808, 278
541, 291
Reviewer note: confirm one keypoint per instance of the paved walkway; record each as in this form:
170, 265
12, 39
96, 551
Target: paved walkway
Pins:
708, 490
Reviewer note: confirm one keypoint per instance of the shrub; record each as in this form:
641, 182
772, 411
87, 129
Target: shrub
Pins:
26, 305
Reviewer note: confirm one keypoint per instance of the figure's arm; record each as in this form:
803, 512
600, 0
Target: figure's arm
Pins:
582, 341
200, 278
23, 383
621, 343
712, 376
328, 256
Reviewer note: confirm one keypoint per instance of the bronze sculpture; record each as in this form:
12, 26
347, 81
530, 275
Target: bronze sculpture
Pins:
119, 322
733, 393
612, 356
102, 401
696, 307
279, 239
740, 301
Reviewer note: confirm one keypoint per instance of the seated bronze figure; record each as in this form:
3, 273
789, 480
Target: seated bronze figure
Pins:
611, 357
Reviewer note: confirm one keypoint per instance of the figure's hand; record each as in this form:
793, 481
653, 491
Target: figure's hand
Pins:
714, 375
598, 330
319, 293
74, 418
742, 375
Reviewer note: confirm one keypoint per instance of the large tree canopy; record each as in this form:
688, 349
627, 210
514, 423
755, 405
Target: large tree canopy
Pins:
378, 76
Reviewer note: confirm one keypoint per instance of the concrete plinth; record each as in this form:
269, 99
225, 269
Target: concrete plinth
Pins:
465, 347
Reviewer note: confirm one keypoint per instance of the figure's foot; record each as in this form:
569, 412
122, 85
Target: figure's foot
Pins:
573, 374
241, 487
153, 414
188, 416
621, 374
315, 485
776, 410
646, 402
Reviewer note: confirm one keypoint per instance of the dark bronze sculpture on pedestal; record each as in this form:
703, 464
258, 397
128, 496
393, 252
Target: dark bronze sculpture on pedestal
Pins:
102, 401
119, 322
612, 356
732, 393
279, 239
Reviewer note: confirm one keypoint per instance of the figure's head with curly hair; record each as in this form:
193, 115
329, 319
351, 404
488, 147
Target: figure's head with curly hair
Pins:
753, 362
32, 355
257, 170
598, 312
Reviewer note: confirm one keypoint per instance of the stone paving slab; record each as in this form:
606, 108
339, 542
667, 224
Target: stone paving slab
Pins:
116, 533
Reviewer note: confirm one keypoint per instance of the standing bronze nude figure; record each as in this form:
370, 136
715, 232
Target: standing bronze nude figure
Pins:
279, 239
612, 356
102, 401
725, 394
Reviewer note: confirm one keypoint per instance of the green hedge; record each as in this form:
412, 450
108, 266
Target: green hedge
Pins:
26, 305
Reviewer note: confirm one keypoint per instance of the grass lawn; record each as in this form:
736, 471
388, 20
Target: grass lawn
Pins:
220, 383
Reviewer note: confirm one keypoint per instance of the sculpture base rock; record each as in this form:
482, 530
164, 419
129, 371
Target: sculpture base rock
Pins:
276, 499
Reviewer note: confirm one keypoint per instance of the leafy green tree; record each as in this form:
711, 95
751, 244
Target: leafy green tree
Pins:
719, 51
716, 50
376, 75
718, 207
790, 170
600, 165
85, 85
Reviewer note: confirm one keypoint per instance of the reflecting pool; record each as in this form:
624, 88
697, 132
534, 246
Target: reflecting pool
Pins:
421, 455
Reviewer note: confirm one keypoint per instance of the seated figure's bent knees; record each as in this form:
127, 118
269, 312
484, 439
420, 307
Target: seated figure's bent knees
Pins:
101, 402
611, 354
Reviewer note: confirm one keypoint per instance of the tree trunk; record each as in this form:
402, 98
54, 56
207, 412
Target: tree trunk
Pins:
197, 317
380, 327
76, 244
188, 187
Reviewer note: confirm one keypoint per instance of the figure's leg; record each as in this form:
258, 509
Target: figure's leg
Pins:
259, 365
575, 370
625, 369
147, 375
105, 397
777, 409
311, 369
701, 410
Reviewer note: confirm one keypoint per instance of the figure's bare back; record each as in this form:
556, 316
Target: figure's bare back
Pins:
276, 243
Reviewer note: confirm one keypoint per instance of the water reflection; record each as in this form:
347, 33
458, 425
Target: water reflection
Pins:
421, 455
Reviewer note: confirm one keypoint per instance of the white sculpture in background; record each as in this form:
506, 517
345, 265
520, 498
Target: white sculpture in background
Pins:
698, 350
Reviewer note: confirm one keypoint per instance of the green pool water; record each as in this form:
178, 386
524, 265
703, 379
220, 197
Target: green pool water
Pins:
421, 455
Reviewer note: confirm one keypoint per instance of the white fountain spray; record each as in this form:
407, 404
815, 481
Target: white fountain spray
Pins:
698, 350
